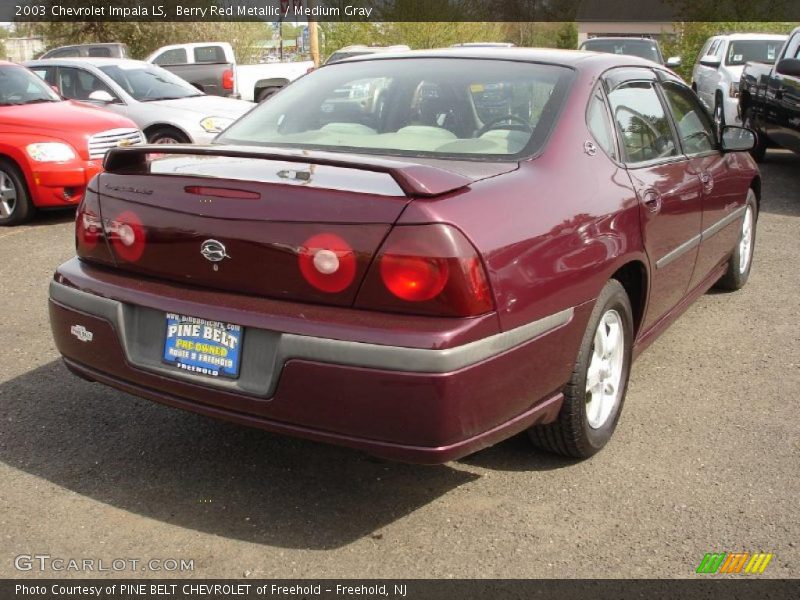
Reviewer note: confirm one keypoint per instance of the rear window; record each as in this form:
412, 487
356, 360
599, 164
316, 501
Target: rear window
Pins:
419, 107
641, 48
209, 54
743, 51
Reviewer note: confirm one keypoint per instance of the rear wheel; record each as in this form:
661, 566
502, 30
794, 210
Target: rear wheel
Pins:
266, 93
167, 135
15, 201
742, 258
595, 393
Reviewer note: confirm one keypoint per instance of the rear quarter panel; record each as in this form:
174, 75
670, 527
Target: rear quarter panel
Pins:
552, 232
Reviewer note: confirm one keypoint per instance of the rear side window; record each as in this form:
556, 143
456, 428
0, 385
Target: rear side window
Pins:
101, 52
642, 123
176, 56
600, 124
209, 54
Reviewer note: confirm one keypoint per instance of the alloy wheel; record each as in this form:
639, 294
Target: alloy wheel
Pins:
8, 195
746, 241
604, 376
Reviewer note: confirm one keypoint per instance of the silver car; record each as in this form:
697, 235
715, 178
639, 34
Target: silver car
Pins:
168, 109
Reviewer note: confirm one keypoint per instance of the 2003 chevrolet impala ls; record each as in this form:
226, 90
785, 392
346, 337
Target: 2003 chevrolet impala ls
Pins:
416, 255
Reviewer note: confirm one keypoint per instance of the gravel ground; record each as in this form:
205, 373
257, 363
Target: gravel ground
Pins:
705, 458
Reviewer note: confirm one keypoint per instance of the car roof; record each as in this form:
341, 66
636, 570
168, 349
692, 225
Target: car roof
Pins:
620, 38
86, 60
571, 58
752, 36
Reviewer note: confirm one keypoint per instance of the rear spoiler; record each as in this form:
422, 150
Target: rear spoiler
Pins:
414, 179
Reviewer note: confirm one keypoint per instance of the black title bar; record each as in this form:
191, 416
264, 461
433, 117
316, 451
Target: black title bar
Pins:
400, 10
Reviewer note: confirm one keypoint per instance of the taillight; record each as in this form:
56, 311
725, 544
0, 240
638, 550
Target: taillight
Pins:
414, 278
90, 240
127, 236
227, 79
429, 270
327, 262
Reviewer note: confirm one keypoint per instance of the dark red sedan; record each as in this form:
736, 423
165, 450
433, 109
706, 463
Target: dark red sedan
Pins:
417, 255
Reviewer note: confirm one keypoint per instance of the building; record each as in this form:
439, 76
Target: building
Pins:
614, 18
20, 49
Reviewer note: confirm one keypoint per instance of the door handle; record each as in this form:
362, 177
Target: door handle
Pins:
652, 200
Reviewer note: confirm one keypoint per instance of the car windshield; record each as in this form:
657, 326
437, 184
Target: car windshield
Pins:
641, 48
147, 83
337, 56
742, 51
419, 107
20, 86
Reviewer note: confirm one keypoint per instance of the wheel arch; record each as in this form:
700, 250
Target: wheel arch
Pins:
154, 126
261, 84
16, 157
634, 278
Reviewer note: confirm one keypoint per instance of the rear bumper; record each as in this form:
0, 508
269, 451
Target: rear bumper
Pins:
62, 184
410, 404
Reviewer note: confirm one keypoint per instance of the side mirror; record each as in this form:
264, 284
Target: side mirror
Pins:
674, 61
737, 139
101, 96
788, 66
709, 60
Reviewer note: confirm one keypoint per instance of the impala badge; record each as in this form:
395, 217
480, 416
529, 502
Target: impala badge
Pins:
213, 251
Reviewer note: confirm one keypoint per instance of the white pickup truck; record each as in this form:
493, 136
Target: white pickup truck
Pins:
212, 68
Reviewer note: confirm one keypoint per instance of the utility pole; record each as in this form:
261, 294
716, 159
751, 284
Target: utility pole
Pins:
313, 39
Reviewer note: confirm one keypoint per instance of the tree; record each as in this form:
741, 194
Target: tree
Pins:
144, 37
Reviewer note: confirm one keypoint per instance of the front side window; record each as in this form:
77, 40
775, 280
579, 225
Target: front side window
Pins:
77, 84
695, 128
642, 123
147, 83
437, 107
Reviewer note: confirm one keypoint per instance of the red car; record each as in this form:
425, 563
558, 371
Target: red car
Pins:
49, 147
416, 255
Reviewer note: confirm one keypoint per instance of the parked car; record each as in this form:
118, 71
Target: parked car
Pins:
719, 65
212, 68
423, 282
113, 50
630, 46
769, 99
49, 148
361, 50
164, 106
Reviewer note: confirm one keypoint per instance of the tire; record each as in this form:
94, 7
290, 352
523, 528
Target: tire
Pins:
759, 151
266, 93
15, 200
587, 420
167, 135
742, 258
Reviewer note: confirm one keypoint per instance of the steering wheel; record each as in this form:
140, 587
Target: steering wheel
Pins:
521, 125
